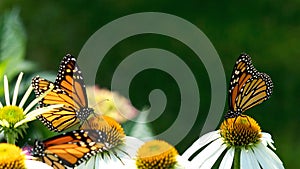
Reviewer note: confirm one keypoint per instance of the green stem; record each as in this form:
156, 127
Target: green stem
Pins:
10, 138
237, 155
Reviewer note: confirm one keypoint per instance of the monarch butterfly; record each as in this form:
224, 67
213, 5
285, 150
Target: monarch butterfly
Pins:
69, 90
69, 149
248, 87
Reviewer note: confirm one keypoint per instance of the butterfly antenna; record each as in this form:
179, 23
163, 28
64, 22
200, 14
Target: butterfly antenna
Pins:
100, 102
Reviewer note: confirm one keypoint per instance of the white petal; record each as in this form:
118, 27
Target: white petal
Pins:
107, 162
132, 144
88, 164
183, 163
97, 164
33, 114
267, 140
1, 105
253, 159
262, 158
19, 123
32, 164
212, 159
112, 164
247, 160
265, 159
25, 97
211, 150
1, 123
6, 91
36, 100
130, 164
274, 158
202, 141
267, 136
4, 123
15, 96
227, 159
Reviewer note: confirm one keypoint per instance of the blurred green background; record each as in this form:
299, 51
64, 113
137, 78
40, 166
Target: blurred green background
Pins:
267, 30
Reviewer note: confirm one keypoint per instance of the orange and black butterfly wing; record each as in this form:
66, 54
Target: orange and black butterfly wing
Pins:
245, 84
70, 79
242, 72
57, 119
69, 90
256, 90
69, 149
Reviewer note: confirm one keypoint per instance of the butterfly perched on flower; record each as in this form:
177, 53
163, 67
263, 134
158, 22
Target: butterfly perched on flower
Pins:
69, 90
69, 149
248, 87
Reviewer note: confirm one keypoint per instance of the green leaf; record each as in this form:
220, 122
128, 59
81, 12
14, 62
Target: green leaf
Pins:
12, 46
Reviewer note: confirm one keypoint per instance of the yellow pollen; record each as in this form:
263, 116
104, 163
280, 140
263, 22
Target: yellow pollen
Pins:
12, 114
11, 157
156, 154
240, 131
113, 130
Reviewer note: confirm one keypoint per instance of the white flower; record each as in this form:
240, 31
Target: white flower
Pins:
117, 146
12, 157
163, 153
241, 134
121, 151
121, 158
14, 117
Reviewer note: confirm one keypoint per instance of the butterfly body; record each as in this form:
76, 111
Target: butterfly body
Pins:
84, 113
69, 90
248, 87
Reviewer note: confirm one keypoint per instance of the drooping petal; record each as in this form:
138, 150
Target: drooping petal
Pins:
202, 141
88, 164
267, 136
208, 152
213, 158
132, 144
267, 140
253, 160
16, 90
117, 157
227, 159
271, 157
248, 161
97, 162
263, 157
